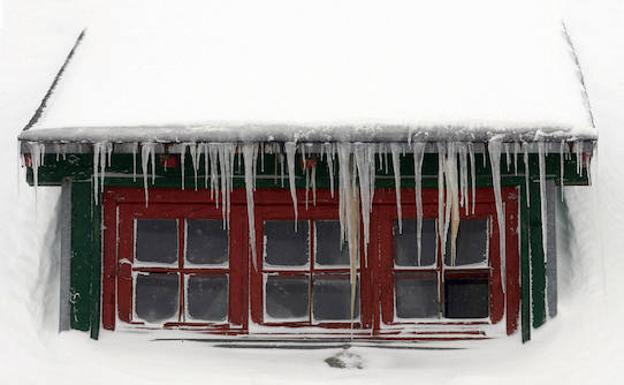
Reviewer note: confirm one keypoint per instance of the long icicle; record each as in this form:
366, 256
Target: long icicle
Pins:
525, 150
395, 149
543, 203
473, 176
452, 198
291, 152
419, 154
494, 149
250, 151
441, 223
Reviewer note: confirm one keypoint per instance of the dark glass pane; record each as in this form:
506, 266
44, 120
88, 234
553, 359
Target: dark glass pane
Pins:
332, 297
286, 297
406, 244
207, 297
157, 241
156, 296
416, 296
466, 298
328, 246
472, 243
207, 242
284, 246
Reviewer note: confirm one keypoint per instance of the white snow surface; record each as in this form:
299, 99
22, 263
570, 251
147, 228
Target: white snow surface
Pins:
346, 70
584, 344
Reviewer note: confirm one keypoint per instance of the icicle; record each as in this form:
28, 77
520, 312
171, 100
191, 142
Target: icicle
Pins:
262, 150
441, 189
516, 151
494, 149
291, 151
331, 151
203, 147
101, 154
525, 149
227, 153
463, 176
147, 153
473, 176
507, 156
452, 209
194, 160
313, 177
395, 149
135, 147
365, 162
249, 154
37, 153
307, 185
182, 157
97, 147
543, 203
561, 168
281, 157
579, 157
419, 154
348, 213
213, 149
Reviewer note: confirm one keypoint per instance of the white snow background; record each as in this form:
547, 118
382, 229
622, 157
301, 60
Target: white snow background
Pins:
583, 345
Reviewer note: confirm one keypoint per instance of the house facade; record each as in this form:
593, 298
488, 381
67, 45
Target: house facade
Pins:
331, 184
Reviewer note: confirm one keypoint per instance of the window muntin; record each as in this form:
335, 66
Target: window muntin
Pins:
301, 288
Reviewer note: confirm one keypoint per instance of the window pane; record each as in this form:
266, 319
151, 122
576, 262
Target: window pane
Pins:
207, 297
287, 297
406, 244
466, 298
332, 297
329, 250
284, 246
416, 296
207, 242
472, 243
157, 241
156, 296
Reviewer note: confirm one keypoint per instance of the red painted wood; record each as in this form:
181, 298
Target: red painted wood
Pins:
246, 282
109, 267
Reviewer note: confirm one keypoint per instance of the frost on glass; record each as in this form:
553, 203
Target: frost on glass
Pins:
331, 295
156, 241
285, 246
330, 250
207, 297
156, 296
472, 243
286, 298
206, 242
406, 244
466, 298
416, 295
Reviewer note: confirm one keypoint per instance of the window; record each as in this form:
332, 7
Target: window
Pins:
303, 269
174, 265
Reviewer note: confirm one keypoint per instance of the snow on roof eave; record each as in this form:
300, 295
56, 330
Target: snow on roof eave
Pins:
281, 132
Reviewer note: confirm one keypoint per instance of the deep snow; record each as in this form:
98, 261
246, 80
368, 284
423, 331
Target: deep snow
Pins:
582, 345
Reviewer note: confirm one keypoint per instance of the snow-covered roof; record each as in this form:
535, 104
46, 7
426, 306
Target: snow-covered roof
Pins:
348, 70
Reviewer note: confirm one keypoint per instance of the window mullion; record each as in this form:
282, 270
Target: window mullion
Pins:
181, 251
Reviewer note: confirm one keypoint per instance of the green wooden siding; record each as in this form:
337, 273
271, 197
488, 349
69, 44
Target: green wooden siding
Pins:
86, 216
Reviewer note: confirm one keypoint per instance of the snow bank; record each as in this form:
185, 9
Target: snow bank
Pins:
318, 70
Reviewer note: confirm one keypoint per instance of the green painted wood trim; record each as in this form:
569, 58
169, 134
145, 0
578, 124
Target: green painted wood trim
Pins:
80, 265
525, 271
538, 265
85, 260
80, 168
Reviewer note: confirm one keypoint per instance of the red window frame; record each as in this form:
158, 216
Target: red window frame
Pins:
122, 206
502, 302
277, 205
246, 282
